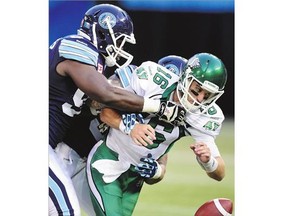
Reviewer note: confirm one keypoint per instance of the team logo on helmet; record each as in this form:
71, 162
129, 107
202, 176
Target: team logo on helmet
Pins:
107, 17
172, 68
194, 63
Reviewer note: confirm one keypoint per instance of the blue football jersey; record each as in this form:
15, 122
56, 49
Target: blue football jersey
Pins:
65, 98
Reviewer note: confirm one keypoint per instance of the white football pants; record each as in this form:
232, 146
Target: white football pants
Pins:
71, 169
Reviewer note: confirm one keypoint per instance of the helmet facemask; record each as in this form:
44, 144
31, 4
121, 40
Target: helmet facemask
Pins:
188, 100
115, 54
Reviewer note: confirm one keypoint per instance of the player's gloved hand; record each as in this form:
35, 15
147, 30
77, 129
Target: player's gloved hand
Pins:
149, 168
129, 121
172, 113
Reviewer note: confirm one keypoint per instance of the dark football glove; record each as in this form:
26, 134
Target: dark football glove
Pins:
172, 113
149, 168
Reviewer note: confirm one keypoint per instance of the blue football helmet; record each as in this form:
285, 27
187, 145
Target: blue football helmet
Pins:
173, 63
109, 28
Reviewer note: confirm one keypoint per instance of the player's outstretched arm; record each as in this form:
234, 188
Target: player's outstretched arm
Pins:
214, 166
96, 86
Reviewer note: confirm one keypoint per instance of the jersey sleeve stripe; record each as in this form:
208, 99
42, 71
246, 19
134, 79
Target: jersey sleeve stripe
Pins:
76, 51
124, 75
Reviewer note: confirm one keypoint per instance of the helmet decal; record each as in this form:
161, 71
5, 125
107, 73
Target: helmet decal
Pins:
195, 63
104, 18
173, 68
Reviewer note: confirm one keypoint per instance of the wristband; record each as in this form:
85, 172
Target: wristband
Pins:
122, 128
151, 105
210, 166
158, 171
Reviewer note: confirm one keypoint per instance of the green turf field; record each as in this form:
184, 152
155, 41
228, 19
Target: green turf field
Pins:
186, 186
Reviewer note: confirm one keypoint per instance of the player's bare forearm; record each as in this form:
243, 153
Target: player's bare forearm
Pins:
110, 117
219, 173
96, 86
124, 100
112, 96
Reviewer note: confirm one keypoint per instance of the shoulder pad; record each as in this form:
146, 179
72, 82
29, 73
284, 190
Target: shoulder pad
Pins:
209, 122
78, 48
214, 111
125, 74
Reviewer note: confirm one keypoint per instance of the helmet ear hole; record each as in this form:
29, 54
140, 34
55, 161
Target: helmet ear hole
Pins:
103, 44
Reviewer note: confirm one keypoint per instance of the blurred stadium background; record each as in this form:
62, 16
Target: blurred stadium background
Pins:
182, 27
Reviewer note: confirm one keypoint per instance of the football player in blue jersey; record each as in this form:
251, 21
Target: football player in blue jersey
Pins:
76, 63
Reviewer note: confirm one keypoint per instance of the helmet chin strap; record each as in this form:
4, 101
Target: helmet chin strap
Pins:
183, 99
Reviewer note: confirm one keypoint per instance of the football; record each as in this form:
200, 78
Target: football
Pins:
216, 207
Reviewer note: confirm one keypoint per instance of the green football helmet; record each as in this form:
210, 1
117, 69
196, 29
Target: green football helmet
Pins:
208, 71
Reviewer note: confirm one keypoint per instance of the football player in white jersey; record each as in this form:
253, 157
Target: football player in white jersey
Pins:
89, 129
116, 169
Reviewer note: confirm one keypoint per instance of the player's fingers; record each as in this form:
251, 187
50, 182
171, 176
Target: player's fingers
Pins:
148, 140
146, 137
193, 147
150, 129
200, 144
150, 135
141, 140
201, 151
138, 142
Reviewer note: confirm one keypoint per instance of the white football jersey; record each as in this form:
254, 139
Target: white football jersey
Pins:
151, 80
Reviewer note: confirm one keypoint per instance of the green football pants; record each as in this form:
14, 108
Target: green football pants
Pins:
117, 198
